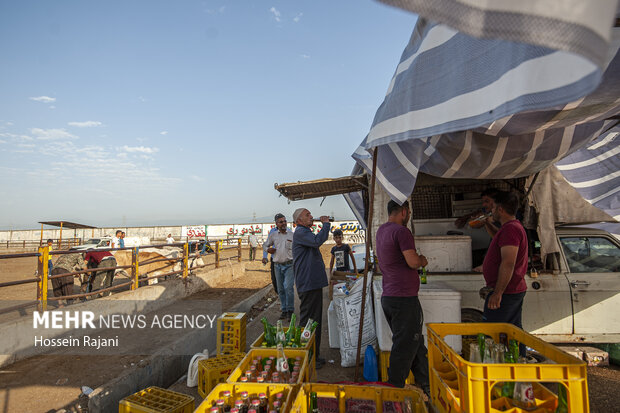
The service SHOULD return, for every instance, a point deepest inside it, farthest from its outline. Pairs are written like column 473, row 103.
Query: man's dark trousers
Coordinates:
column 509, row 311
column 274, row 282
column 405, row 318
column 311, row 306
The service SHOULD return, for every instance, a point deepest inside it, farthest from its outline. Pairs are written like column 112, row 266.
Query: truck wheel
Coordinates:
column 471, row 316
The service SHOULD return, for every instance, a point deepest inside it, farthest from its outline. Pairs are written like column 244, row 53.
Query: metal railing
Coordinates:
column 42, row 275
column 56, row 243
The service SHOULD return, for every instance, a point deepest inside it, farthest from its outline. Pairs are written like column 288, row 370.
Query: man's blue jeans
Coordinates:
column 286, row 281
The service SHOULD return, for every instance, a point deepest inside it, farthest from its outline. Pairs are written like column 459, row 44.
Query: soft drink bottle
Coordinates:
column 307, row 332
column 282, row 364
column 423, row 275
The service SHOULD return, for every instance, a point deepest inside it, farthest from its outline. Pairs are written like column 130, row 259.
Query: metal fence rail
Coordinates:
column 43, row 276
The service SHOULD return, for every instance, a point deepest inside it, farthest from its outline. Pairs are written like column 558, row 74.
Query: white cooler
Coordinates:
column 440, row 304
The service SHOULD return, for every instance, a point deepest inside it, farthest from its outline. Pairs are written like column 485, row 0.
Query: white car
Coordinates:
column 94, row 243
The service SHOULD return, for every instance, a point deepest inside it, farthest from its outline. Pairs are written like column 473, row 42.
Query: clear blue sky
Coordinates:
column 161, row 112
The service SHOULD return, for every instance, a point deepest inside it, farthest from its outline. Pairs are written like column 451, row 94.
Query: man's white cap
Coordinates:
column 297, row 213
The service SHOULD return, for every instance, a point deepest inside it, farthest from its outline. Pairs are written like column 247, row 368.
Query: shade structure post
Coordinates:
column 367, row 264
column 135, row 267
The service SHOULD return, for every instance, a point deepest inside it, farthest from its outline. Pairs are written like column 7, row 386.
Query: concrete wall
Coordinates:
column 351, row 229
column 35, row 234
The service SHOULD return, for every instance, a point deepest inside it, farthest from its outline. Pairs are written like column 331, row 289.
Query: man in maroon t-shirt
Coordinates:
column 398, row 262
column 505, row 264
column 100, row 279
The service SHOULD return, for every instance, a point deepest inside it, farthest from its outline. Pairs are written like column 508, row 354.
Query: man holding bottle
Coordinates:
column 310, row 275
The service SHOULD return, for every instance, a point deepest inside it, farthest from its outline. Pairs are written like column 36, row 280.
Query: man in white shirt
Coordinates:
column 280, row 245
column 169, row 239
column 253, row 242
column 115, row 240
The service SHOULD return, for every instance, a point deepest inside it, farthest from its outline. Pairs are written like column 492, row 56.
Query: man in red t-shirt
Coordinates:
column 399, row 262
column 100, row 279
column 505, row 264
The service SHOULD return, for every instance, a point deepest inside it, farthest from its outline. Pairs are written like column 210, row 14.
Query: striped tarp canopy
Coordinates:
column 594, row 171
column 500, row 105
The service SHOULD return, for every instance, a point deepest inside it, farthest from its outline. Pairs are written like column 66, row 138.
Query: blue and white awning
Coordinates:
column 594, row 171
column 465, row 107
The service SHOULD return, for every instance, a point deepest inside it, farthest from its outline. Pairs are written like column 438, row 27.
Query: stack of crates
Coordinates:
column 231, row 333
column 156, row 400
column 460, row 386
column 351, row 398
column 216, row 370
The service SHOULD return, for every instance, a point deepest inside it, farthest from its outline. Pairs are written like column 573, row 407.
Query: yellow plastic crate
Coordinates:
column 343, row 394
column 304, row 372
column 310, row 347
column 384, row 364
column 216, row 370
column 156, row 400
column 231, row 333
column 253, row 389
column 460, row 386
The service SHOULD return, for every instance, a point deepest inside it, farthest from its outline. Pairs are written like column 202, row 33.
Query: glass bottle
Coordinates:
column 282, row 364
column 314, row 403
column 423, row 276
column 306, row 333
column 269, row 339
column 225, row 395
column 514, row 349
column 280, row 336
column 264, row 403
column 562, row 403
column 290, row 333
column 245, row 398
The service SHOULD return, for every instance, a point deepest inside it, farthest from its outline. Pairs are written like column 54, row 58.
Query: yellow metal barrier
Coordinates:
column 43, row 274
column 135, row 269
column 185, row 256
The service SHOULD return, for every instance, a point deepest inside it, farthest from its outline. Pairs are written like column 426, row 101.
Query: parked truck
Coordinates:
column 577, row 302
column 573, row 280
